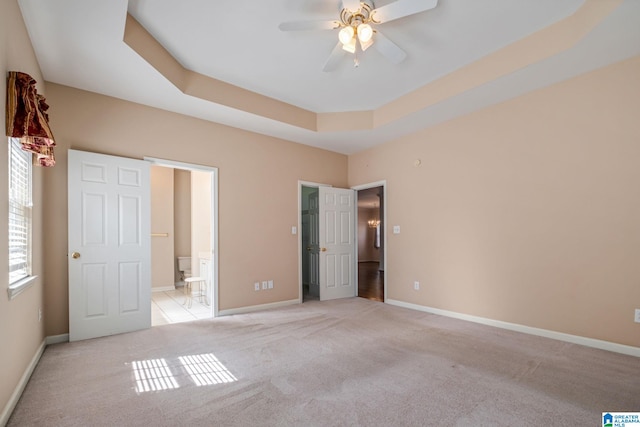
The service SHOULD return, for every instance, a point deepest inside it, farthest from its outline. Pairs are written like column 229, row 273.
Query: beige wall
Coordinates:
column 182, row 215
column 258, row 186
column 525, row 212
column 367, row 235
column 20, row 331
column 162, row 258
column 200, row 218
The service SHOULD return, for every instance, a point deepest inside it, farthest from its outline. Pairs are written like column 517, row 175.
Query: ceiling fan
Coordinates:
column 357, row 24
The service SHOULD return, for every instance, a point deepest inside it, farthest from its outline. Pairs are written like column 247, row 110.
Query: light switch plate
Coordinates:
column 396, row 229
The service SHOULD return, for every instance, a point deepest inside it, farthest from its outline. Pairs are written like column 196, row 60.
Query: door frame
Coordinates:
column 299, row 229
column 367, row 186
column 214, row 216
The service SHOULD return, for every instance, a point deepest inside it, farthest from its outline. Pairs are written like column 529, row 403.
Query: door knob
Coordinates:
column 309, row 248
column 75, row 255
column 323, row 249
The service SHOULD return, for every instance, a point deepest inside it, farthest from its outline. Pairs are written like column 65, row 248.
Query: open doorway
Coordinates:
column 183, row 243
column 310, row 248
column 327, row 242
column 371, row 244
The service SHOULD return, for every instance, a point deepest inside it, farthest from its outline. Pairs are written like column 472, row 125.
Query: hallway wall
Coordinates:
column 367, row 235
column 181, row 215
column 162, row 208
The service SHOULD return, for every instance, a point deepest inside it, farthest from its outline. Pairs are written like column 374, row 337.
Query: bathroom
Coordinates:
column 180, row 244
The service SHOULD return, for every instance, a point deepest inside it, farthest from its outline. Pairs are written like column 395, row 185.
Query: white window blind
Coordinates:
column 20, row 205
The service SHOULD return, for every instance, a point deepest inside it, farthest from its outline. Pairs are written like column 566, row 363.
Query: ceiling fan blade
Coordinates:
column 334, row 59
column 389, row 49
column 401, row 8
column 308, row 25
column 351, row 5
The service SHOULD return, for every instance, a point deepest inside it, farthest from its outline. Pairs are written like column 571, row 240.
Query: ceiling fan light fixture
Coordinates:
column 346, row 35
column 366, row 45
column 357, row 27
column 365, row 33
column 350, row 46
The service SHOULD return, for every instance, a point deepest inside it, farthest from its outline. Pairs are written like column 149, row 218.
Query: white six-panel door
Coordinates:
column 109, row 245
column 337, row 243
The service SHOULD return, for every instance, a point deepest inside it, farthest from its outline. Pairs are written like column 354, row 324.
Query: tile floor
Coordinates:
column 168, row 307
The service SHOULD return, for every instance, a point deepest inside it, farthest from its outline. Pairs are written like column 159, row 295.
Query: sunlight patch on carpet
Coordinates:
column 153, row 375
column 206, row 369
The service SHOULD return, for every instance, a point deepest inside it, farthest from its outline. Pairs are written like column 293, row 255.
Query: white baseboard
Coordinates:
column 17, row 392
column 163, row 288
column 57, row 339
column 252, row 308
column 13, row 400
column 574, row 339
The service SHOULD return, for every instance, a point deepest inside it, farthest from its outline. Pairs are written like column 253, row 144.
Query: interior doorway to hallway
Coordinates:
column 371, row 242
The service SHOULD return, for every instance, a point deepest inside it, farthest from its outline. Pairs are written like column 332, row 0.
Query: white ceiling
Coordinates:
column 79, row 43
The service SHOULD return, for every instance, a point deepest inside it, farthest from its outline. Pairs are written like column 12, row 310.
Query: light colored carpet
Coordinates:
column 348, row 362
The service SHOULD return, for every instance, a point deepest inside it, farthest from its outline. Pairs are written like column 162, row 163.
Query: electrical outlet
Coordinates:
column 257, row 286
column 416, row 285
column 637, row 316
column 264, row 285
column 270, row 284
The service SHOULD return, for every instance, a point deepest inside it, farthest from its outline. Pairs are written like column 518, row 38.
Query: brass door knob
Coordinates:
column 324, row 249
column 75, row 255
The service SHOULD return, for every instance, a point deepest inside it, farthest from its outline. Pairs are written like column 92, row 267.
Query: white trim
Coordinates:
column 178, row 165
column 20, row 286
column 17, row 392
column 163, row 288
column 57, row 339
column 375, row 184
column 560, row 336
column 260, row 307
column 214, row 217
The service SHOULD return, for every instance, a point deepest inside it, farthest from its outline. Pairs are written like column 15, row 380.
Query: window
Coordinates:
column 20, row 205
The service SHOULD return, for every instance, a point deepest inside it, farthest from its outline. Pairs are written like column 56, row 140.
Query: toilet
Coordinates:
column 184, row 267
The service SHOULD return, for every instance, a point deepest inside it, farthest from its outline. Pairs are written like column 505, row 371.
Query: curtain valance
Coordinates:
column 27, row 118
